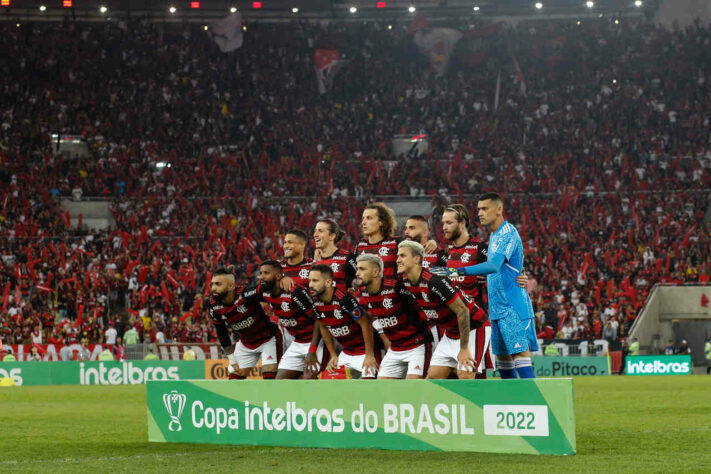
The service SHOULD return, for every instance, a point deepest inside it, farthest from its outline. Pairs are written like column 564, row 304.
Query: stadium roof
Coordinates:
column 185, row 10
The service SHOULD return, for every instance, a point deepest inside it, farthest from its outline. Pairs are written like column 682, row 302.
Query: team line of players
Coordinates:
column 392, row 309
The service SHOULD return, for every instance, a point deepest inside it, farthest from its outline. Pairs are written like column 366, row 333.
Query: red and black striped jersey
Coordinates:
column 471, row 253
column 396, row 310
column 433, row 293
column 386, row 250
column 245, row 316
column 295, row 311
column 299, row 272
column 340, row 317
column 343, row 264
column 438, row 259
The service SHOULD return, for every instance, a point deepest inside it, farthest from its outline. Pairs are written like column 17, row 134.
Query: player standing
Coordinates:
column 258, row 337
column 295, row 264
column 295, row 310
column 389, row 303
column 444, row 306
column 343, row 317
column 417, row 229
column 327, row 233
column 510, row 309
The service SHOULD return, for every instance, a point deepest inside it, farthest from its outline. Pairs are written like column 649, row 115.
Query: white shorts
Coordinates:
column 435, row 336
column 445, row 355
column 293, row 358
column 354, row 362
column 270, row 352
column 398, row 364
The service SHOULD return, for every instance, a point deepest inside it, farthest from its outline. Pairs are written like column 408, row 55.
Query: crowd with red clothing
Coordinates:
column 607, row 188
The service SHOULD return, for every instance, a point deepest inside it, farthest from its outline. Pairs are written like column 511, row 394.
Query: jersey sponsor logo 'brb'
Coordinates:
column 175, row 404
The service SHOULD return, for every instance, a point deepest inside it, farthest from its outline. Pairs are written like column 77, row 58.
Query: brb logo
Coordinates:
column 175, row 403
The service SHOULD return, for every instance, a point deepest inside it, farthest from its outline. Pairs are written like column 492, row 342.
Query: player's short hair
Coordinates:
column 386, row 216
column 273, row 264
column 420, row 218
column 298, row 233
column 495, row 197
column 374, row 259
column 460, row 210
column 226, row 270
column 416, row 248
column 333, row 228
column 325, row 270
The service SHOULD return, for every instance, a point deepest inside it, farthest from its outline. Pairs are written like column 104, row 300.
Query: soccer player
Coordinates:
column 258, row 337
column 513, row 330
column 445, row 307
column 327, row 234
column 417, row 229
column 378, row 226
column 464, row 250
column 389, row 303
column 296, row 313
column 295, row 264
column 342, row 316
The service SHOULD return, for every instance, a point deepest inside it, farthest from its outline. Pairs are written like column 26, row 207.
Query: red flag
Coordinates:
column 610, row 289
column 79, row 220
column 172, row 280
column 704, row 301
column 208, row 280
column 6, row 296
column 43, row 288
column 81, row 312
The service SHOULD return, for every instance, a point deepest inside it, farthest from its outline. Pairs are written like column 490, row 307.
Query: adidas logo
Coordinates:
column 417, row 367
column 517, row 346
column 270, row 358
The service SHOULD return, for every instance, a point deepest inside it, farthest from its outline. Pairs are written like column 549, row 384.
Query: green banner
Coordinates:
column 658, row 365
column 504, row 416
column 570, row 366
column 100, row 372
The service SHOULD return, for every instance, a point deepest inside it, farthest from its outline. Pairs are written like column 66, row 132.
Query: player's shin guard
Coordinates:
column 506, row 369
column 524, row 368
column 268, row 375
column 234, row 376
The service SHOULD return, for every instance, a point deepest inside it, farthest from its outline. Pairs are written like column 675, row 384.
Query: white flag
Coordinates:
column 437, row 44
column 227, row 33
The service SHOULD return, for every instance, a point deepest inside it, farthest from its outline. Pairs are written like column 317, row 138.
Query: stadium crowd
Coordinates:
column 604, row 162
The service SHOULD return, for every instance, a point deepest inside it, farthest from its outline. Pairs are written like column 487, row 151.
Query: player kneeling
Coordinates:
column 341, row 315
column 258, row 336
column 446, row 308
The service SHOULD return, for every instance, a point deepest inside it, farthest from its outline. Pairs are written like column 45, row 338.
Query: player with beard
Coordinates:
column 342, row 316
column 242, row 313
column 305, row 356
column 465, row 250
column 388, row 302
column 445, row 307
column 327, row 233
column 295, row 264
column 378, row 226
column 417, row 229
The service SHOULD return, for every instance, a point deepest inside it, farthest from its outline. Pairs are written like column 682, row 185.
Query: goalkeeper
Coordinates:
column 513, row 330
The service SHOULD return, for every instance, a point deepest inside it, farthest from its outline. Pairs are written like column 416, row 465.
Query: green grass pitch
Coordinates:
column 624, row 424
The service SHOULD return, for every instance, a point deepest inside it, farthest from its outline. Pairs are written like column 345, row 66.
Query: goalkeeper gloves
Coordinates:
column 447, row 272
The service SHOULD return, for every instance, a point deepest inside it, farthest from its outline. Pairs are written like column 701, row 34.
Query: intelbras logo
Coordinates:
column 658, row 366
column 126, row 373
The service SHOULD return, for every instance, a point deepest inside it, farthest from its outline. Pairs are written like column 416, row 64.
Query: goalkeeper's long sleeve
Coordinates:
column 493, row 265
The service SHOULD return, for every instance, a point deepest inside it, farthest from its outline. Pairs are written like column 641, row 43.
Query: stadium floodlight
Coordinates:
column 538, row 5
column 617, row 22
column 295, row 10
column 205, row 27
column 103, row 9
column 233, row 10
column 638, row 3
column 353, row 9
column 411, row 9
column 390, row 27
column 476, row 8
column 42, row 8
column 172, row 9
column 589, row 4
